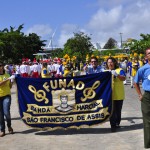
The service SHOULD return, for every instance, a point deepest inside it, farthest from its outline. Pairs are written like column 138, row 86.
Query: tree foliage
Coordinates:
column 139, row 46
column 111, row 52
column 57, row 53
column 78, row 46
column 14, row 45
column 111, row 43
column 96, row 53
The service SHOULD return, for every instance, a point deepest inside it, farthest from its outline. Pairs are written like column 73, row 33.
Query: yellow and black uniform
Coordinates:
column 67, row 73
column 141, row 63
column 118, row 84
column 81, row 65
column 44, row 73
column 135, row 66
column 118, row 96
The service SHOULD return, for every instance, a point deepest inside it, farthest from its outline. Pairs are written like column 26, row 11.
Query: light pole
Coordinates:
column 121, row 39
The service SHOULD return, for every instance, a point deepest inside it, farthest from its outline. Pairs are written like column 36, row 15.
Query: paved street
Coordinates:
column 128, row 137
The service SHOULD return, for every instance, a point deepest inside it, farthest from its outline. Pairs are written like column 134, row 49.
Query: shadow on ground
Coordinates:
column 132, row 126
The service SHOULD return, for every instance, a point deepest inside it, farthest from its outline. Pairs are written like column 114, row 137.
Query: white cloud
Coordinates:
column 129, row 17
column 105, row 20
column 40, row 29
column 105, row 24
column 66, row 33
column 131, row 20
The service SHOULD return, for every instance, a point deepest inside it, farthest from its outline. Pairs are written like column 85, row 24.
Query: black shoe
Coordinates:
column 113, row 128
column 118, row 126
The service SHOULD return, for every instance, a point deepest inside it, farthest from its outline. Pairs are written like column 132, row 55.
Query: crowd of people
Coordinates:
column 133, row 67
column 49, row 68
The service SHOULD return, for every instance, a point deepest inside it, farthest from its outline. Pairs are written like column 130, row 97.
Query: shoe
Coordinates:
column 113, row 129
column 10, row 129
column 2, row 134
column 118, row 126
column 131, row 86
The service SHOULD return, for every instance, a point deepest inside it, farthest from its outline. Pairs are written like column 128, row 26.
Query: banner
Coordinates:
column 51, row 103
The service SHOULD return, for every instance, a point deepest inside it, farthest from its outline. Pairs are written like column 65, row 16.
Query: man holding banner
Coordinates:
column 93, row 68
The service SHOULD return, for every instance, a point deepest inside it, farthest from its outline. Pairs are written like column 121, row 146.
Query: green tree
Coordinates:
column 79, row 46
column 139, row 46
column 57, row 53
column 14, row 45
column 111, row 52
column 111, row 43
column 32, row 44
column 96, row 53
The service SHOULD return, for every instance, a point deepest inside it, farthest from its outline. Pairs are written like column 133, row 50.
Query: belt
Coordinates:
column 147, row 91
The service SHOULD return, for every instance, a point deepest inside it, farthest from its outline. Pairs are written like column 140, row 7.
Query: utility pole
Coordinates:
column 121, row 39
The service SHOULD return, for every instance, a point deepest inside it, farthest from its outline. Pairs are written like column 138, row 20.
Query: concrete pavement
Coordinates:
column 100, row 137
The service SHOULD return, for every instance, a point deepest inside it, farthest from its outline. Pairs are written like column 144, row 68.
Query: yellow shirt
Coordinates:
column 44, row 73
column 5, row 88
column 81, row 65
column 134, row 68
column 66, row 73
column 118, row 87
column 141, row 63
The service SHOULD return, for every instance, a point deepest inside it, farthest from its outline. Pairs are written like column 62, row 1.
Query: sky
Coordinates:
column 99, row 19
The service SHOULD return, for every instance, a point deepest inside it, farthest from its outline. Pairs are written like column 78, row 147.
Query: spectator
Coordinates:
column 44, row 72
column 143, row 74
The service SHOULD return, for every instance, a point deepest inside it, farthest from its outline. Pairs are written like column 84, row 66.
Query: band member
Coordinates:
column 35, row 69
column 118, row 94
column 24, row 70
column 44, row 71
column 134, row 67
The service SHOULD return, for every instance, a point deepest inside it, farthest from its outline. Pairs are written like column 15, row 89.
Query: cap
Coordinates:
column 34, row 61
column 58, row 60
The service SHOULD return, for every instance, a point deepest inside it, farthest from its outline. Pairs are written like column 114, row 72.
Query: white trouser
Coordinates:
column 131, row 78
